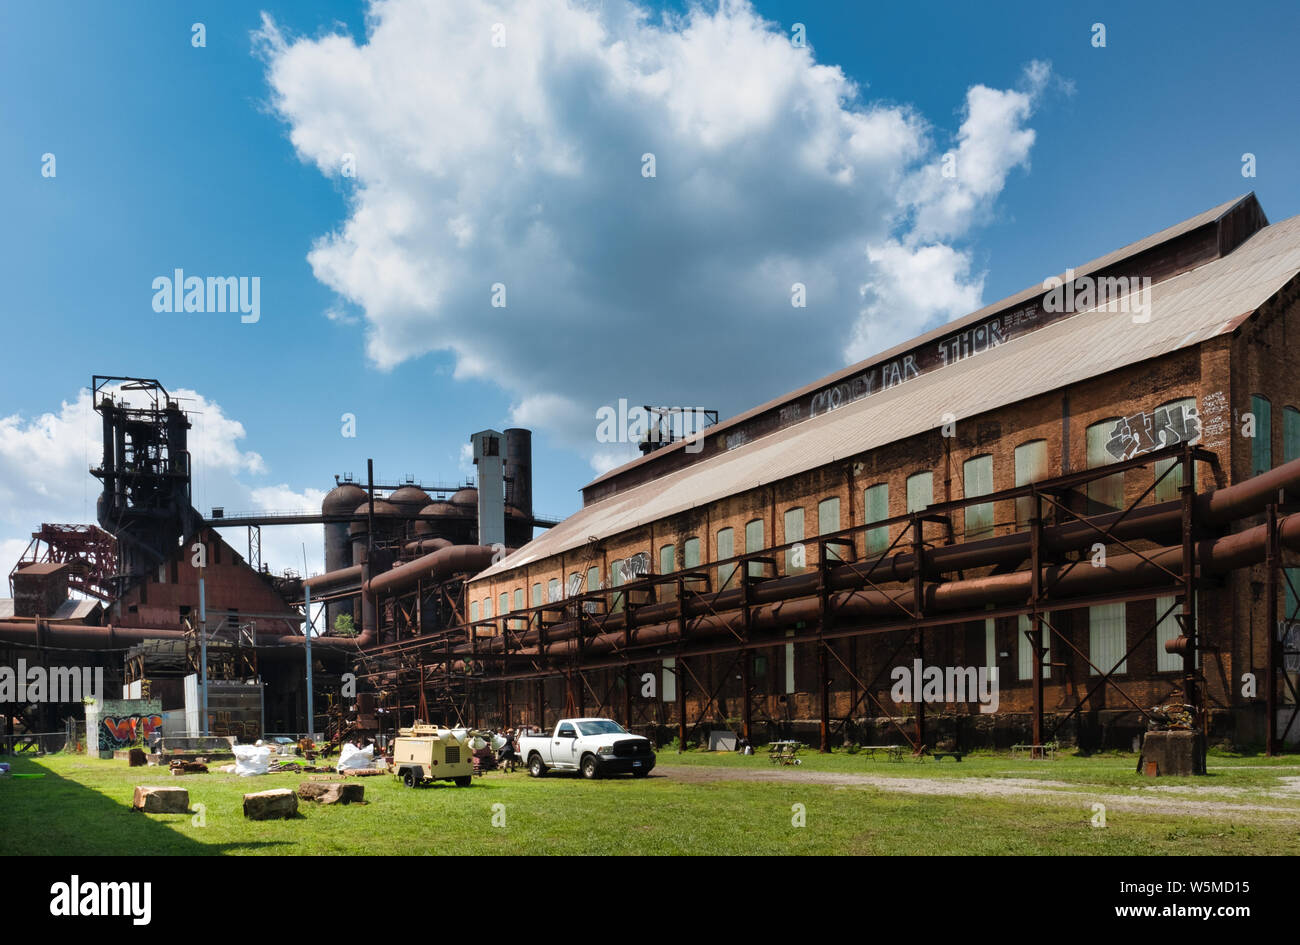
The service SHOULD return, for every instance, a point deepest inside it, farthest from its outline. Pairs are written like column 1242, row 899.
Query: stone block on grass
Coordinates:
column 161, row 800
column 271, row 805
column 332, row 793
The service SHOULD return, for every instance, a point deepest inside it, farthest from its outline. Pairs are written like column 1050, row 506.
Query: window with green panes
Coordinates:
column 503, row 603
column 616, row 580
column 795, row 559
column 691, row 553
column 553, row 590
column 920, row 491
column 1290, row 434
column 1261, row 447
column 473, row 610
column 828, row 521
column 667, row 565
column 1031, row 466
column 519, row 598
column 725, row 548
column 1108, row 491
column 593, row 584
column 875, row 506
column 537, row 594
column 1169, row 487
column 1290, row 451
column 487, row 608
column 754, row 542
column 977, row 480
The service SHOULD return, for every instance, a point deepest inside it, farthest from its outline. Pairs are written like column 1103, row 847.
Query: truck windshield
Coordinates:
column 601, row 727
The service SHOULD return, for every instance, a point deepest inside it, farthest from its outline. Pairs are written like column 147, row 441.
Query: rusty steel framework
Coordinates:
column 89, row 552
column 432, row 646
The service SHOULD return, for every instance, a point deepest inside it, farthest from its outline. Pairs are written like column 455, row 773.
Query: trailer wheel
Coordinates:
column 410, row 778
column 590, row 767
column 535, row 766
column 464, row 781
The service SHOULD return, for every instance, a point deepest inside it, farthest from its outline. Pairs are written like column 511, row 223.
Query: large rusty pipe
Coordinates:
column 1152, row 523
column 80, row 636
column 332, row 580
column 1213, row 556
column 436, row 566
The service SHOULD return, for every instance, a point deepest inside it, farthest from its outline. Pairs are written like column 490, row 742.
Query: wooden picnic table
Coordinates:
column 895, row 752
column 784, row 752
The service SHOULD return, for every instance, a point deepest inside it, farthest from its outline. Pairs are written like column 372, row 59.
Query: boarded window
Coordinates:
column 537, row 594
column 487, row 608
column 1031, row 466
column 875, row 505
column 553, row 591
column 754, row 542
column 473, row 610
column 519, row 598
column 828, row 521
column 669, row 687
column 726, row 547
column 503, row 603
column 1261, row 448
column 667, row 559
column 1107, row 493
column 1107, row 638
column 691, row 553
column 1025, row 648
column 794, row 557
column 920, row 491
column 977, row 479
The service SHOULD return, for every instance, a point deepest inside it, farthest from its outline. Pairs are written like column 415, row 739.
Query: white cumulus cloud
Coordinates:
column 524, row 166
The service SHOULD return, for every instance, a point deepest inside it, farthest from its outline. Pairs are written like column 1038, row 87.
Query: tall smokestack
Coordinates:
column 519, row 470
column 491, row 487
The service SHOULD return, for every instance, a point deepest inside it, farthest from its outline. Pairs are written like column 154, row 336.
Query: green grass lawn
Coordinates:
column 80, row 807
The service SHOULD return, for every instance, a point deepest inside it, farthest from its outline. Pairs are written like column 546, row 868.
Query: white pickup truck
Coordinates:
column 595, row 747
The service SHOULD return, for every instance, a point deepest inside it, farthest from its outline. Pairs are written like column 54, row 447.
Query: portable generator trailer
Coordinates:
column 425, row 753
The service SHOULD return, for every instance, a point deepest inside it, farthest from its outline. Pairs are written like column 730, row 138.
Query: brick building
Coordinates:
column 1186, row 337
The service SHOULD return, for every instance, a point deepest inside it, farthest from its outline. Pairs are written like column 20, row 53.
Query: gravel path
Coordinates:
column 1058, row 792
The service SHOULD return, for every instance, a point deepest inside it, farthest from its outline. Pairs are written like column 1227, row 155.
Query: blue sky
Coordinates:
column 170, row 156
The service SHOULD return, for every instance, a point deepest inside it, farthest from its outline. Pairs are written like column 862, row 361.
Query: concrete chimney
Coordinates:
column 489, row 458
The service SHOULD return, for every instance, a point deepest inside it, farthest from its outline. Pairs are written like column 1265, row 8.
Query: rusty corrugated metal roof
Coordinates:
column 1186, row 309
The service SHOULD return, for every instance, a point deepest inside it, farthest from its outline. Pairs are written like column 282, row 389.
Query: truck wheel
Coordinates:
column 535, row 766
column 409, row 778
column 463, row 781
column 590, row 767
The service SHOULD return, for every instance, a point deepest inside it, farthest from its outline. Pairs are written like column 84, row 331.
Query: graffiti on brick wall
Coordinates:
column 1144, row 432
column 1215, row 420
column 637, row 566
column 128, row 730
